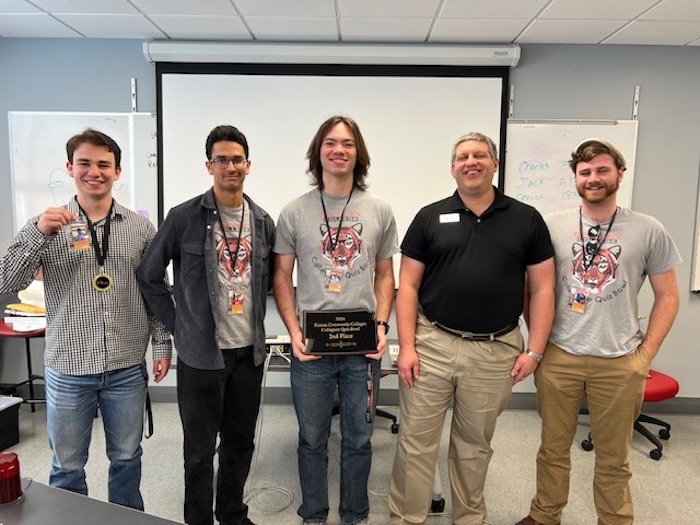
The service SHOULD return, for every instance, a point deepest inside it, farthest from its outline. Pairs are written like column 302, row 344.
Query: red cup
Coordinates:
column 10, row 483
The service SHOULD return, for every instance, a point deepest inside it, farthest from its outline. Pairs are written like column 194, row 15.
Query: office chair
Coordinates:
column 378, row 413
column 658, row 387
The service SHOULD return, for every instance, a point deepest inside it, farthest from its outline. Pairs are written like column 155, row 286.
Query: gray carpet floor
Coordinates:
column 664, row 491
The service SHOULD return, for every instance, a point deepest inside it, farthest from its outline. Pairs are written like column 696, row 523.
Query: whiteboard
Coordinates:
column 538, row 153
column 39, row 178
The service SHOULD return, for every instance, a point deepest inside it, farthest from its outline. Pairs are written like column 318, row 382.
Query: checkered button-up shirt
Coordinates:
column 88, row 331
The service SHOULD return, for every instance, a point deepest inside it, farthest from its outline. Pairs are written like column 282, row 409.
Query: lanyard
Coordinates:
column 588, row 257
column 223, row 231
column 334, row 241
column 100, row 252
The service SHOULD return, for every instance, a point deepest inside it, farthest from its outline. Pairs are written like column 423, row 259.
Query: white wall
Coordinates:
column 550, row 82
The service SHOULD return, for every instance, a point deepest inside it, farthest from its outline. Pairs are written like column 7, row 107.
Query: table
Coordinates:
column 6, row 331
column 44, row 505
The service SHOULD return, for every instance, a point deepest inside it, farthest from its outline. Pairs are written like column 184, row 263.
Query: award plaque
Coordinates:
column 340, row 332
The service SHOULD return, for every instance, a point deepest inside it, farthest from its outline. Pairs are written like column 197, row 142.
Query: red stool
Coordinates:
column 658, row 387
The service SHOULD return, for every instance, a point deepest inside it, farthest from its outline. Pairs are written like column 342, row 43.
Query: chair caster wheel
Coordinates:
column 656, row 454
column 587, row 445
column 437, row 505
column 394, row 428
column 664, row 433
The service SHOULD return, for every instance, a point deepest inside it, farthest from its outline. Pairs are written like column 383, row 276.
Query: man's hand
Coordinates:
column 53, row 219
column 298, row 347
column 523, row 367
column 160, row 369
column 381, row 344
column 408, row 365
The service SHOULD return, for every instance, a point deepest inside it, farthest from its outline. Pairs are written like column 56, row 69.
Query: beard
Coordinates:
column 595, row 196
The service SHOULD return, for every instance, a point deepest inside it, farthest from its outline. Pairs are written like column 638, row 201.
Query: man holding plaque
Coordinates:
column 465, row 261
column 342, row 238
column 98, row 324
column 220, row 246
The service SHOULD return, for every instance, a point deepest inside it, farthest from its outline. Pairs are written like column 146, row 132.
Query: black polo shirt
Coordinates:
column 475, row 266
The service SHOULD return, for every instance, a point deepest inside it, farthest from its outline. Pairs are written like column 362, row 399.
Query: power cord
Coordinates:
column 251, row 495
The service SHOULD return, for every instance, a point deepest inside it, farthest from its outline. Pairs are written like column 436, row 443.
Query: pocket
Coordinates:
column 642, row 361
column 193, row 248
column 192, row 262
column 645, row 355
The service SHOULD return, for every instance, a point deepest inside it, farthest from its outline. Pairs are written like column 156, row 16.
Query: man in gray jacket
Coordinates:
column 219, row 243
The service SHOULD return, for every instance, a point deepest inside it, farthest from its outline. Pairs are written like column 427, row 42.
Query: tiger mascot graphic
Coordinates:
column 348, row 248
column 237, row 269
column 601, row 272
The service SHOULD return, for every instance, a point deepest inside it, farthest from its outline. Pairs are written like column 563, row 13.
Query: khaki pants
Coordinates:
column 614, row 389
column 476, row 376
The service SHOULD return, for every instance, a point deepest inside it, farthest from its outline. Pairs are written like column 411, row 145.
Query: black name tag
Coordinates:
column 340, row 332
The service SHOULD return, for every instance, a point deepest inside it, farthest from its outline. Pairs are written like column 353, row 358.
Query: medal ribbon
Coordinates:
column 588, row 261
column 100, row 252
column 223, row 231
column 334, row 241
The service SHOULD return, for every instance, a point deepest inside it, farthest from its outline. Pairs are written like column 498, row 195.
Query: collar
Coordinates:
column 500, row 202
column 117, row 209
column 209, row 202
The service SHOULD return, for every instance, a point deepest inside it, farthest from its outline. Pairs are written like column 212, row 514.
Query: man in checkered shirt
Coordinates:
column 98, row 325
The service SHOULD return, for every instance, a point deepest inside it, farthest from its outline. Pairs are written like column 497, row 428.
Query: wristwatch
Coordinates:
column 536, row 357
column 385, row 325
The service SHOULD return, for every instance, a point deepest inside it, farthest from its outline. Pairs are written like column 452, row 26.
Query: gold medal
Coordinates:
column 102, row 282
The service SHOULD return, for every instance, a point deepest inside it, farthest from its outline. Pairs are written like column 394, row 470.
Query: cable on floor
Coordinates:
column 253, row 495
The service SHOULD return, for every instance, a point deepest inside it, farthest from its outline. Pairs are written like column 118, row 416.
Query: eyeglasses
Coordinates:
column 591, row 247
column 223, row 162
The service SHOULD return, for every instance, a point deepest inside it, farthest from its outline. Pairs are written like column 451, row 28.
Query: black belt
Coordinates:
column 474, row 336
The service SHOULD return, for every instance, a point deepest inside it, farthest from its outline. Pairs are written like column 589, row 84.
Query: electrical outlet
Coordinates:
column 394, row 354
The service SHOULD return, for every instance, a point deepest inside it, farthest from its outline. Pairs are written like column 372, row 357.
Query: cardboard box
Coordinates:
column 9, row 421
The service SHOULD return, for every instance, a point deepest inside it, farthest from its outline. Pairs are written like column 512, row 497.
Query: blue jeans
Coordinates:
column 314, row 385
column 71, row 405
column 222, row 403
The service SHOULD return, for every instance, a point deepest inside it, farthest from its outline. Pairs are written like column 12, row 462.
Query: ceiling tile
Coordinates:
column 657, row 33
column 82, row 6
column 483, row 31
column 569, row 31
column 202, row 27
column 396, row 9
column 685, row 10
column 34, row 26
column 295, row 29
column 385, row 30
column 277, row 8
column 185, row 7
column 598, row 9
column 111, row 26
column 493, row 9
column 17, row 7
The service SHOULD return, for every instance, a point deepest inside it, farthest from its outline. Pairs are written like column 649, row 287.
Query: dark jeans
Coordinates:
column 223, row 402
column 314, row 384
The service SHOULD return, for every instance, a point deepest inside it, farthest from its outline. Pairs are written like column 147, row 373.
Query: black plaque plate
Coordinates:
column 340, row 332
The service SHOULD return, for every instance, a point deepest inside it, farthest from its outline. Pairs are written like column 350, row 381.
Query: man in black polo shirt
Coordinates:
column 465, row 262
